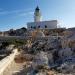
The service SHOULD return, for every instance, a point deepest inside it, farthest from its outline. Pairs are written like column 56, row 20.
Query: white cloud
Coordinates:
column 26, row 13
column 3, row 12
column 21, row 12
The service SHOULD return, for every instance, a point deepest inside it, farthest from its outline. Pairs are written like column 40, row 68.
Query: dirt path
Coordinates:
column 15, row 67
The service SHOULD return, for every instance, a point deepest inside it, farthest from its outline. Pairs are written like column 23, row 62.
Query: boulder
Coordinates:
column 40, row 59
column 66, row 52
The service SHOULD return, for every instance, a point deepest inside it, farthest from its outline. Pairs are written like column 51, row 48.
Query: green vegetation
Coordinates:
column 17, row 42
column 4, row 44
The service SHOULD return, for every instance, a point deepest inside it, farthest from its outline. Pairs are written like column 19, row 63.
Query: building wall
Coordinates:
column 6, row 63
column 42, row 25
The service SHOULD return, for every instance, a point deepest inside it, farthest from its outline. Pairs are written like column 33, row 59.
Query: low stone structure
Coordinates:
column 6, row 63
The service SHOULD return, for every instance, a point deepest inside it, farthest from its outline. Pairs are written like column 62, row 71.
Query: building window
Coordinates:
column 34, row 27
column 38, row 26
column 45, row 26
column 31, row 26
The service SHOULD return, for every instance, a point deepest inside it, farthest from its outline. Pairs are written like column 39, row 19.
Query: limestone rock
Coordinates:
column 66, row 52
column 40, row 59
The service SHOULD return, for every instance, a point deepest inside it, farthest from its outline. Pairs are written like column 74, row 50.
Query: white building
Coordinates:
column 38, row 24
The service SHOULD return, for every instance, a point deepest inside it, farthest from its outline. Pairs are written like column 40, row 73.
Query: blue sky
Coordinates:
column 16, row 13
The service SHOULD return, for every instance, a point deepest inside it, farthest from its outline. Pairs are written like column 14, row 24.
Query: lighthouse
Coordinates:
column 39, row 24
column 37, row 15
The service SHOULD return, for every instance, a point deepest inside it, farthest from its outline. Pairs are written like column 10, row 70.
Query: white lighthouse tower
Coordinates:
column 37, row 15
column 38, row 24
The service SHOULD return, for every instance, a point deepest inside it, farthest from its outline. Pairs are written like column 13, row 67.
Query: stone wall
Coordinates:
column 7, row 63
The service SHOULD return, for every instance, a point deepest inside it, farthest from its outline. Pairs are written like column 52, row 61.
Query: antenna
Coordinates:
column 37, row 2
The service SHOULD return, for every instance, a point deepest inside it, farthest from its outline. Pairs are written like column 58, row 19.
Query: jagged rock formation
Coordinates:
column 18, row 32
column 51, row 53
